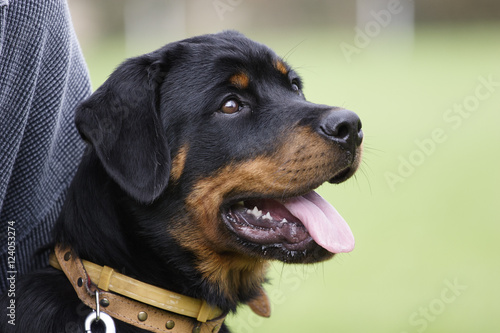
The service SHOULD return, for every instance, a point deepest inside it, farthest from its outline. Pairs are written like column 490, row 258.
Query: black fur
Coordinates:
column 123, row 205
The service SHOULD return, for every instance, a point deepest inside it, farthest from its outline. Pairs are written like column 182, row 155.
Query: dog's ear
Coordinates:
column 122, row 122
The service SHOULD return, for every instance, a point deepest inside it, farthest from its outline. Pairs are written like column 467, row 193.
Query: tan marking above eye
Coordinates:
column 240, row 80
column 280, row 66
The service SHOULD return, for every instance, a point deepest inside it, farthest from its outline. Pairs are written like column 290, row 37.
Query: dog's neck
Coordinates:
column 102, row 225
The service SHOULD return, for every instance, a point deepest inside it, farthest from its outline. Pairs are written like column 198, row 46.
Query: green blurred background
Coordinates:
column 425, row 80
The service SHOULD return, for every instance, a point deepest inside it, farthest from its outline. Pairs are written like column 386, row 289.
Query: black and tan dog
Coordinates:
column 202, row 162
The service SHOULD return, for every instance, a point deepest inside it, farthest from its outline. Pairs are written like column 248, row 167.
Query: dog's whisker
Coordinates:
column 293, row 49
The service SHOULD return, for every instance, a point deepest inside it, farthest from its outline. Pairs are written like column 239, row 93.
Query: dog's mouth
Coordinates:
column 294, row 224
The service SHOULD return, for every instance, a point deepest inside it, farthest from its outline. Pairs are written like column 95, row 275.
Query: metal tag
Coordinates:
column 106, row 320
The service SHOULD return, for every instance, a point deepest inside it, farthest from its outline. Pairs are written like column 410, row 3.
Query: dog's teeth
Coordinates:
column 267, row 216
column 256, row 212
column 284, row 221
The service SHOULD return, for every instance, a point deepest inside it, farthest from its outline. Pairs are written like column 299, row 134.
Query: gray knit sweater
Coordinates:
column 42, row 78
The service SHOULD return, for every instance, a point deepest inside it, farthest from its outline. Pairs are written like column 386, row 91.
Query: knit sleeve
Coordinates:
column 42, row 78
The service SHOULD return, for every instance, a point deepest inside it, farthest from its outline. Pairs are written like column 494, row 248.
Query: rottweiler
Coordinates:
column 201, row 165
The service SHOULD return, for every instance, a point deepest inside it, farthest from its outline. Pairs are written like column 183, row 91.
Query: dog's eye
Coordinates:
column 231, row 106
column 296, row 86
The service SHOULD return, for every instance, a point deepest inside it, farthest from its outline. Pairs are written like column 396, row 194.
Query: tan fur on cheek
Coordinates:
column 178, row 163
column 303, row 160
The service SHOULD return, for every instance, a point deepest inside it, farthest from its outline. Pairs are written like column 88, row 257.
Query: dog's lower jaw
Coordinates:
column 230, row 277
column 233, row 278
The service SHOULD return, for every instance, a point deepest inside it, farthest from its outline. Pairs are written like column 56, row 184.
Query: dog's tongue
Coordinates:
column 322, row 221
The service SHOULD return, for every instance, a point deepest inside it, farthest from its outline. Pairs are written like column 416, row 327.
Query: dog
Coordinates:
column 201, row 165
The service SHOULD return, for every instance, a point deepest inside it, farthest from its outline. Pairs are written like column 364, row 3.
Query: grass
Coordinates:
column 435, row 228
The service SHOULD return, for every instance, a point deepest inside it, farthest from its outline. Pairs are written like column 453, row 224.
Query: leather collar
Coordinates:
column 134, row 302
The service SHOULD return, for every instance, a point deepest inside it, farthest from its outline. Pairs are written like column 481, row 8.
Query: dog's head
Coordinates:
column 214, row 135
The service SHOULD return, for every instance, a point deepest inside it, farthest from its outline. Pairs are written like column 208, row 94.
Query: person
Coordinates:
column 43, row 77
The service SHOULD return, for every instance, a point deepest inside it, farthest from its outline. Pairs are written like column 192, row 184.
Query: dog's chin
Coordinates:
column 267, row 229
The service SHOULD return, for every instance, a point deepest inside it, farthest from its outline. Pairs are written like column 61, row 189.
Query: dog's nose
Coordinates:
column 342, row 126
